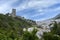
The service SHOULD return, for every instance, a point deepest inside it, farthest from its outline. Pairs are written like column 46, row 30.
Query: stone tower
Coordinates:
column 13, row 14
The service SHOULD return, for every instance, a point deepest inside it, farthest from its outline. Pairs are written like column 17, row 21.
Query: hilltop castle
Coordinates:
column 13, row 13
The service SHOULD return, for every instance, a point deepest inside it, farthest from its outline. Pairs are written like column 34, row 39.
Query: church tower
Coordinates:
column 13, row 14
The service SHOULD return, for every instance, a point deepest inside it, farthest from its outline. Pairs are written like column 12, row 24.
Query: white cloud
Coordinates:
column 38, row 14
column 28, row 4
column 41, row 19
column 36, row 4
column 39, row 5
column 6, row 6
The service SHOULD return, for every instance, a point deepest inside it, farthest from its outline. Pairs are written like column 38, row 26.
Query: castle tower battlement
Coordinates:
column 13, row 14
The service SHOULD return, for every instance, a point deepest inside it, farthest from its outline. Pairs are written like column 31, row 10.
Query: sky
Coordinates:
column 37, row 10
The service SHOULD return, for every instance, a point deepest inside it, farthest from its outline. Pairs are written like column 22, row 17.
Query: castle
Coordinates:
column 13, row 13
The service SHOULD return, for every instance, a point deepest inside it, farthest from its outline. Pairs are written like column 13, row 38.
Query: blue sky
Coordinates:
column 32, row 9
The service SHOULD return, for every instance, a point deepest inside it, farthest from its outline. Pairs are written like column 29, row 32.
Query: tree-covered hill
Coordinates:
column 11, row 27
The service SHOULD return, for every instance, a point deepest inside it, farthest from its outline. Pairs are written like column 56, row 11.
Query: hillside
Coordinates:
column 11, row 27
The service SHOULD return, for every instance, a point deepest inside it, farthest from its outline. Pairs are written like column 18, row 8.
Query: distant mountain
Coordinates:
column 49, row 21
column 57, row 16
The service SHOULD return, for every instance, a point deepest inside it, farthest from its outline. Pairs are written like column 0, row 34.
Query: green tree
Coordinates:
column 54, row 34
column 30, row 35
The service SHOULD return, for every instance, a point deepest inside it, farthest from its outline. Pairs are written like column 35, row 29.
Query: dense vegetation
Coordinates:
column 29, row 35
column 11, row 27
column 54, row 34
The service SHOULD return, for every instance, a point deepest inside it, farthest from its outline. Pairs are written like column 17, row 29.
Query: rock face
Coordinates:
column 49, row 21
column 46, row 23
column 45, row 26
column 39, row 33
